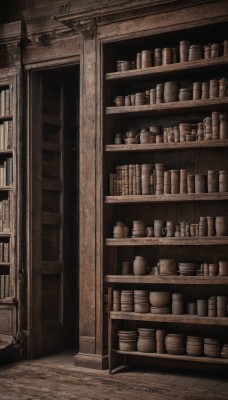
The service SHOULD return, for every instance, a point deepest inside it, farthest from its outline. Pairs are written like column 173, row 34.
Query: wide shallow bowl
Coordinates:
column 146, row 332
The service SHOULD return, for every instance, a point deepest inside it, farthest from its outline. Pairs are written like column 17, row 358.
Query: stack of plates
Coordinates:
column 127, row 300
column 187, row 269
column 141, row 300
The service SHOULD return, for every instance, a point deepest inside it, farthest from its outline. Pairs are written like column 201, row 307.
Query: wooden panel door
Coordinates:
column 47, row 214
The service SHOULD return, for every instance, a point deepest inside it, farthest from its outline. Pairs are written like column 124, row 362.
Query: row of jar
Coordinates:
column 150, row 340
column 171, row 55
column 149, row 179
column 169, row 92
column 213, row 127
column 207, row 226
column 164, row 302
column 169, row 267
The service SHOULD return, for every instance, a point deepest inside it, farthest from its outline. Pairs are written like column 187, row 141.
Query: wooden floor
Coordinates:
column 56, row 377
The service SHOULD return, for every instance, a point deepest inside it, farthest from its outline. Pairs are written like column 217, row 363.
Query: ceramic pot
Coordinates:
column 140, row 266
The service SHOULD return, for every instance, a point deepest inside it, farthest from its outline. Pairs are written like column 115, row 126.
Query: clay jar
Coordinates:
column 145, row 137
column 174, row 343
column 171, row 92
column 221, row 226
column 177, row 304
column 212, row 347
column 119, row 101
column 158, row 227
column 140, row 266
column 167, row 266
column 223, row 268
column 185, row 94
column 194, row 346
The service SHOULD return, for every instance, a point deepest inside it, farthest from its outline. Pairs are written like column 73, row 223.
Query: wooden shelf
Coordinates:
column 166, row 146
column 5, row 234
column 6, row 152
column 173, row 241
column 171, row 318
column 8, row 300
column 167, row 280
column 165, row 198
column 4, row 264
column 171, row 69
column 202, row 359
column 6, row 117
column 170, row 108
column 6, row 188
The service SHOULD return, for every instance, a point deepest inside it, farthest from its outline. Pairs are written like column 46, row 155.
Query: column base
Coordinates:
column 94, row 361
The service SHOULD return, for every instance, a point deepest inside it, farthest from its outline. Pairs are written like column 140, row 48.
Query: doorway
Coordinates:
column 53, row 217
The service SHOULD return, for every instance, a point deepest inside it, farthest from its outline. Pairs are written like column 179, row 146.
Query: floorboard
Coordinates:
column 56, row 377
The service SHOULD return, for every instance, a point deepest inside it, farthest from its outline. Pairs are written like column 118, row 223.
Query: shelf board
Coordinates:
column 169, row 108
column 4, row 264
column 6, row 188
column 6, row 117
column 166, row 198
column 202, row 359
column 164, row 241
column 6, row 151
column 167, row 280
column 8, row 300
column 171, row 69
column 166, row 146
column 5, row 234
column 180, row 319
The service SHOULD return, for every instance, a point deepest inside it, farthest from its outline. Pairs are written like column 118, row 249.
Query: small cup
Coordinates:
column 150, row 231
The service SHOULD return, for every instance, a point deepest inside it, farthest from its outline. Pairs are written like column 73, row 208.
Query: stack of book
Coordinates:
column 4, row 252
column 4, row 286
column 5, row 102
column 6, row 135
column 5, row 213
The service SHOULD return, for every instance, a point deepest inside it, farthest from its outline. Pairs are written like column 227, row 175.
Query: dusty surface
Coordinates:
column 56, row 377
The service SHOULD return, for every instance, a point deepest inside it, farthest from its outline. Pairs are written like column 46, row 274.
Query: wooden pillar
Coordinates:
column 90, row 331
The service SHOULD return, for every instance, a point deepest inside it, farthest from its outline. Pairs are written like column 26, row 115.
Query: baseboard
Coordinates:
column 94, row 361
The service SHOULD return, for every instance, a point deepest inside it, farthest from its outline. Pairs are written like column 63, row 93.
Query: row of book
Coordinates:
column 6, row 135
column 126, row 180
column 5, row 102
column 6, row 172
column 4, row 252
column 4, row 286
column 6, row 213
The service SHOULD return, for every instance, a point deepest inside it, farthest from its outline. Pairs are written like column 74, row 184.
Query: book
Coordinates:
column 6, row 286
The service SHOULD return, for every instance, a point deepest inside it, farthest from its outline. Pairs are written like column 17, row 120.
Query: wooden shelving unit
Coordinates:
column 10, row 216
column 195, row 156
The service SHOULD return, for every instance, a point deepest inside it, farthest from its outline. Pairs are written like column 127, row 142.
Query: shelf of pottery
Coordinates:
column 165, row 205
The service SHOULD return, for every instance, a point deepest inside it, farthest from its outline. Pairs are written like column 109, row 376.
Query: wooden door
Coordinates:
column 47, row 214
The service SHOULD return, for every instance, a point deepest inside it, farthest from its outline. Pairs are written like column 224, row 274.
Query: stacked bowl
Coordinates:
column 127, row 340
column 127, row 300
column 141, row 301
column 146, row 340
column 187, row 269
column 160, row 302
column 175, row 343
